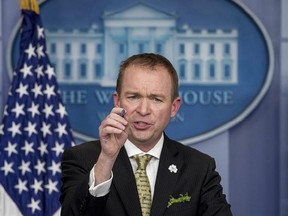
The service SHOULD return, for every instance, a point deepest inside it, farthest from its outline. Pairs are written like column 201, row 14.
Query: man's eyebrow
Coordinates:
column 131, row 92
column 157, row 95
column 152, row 95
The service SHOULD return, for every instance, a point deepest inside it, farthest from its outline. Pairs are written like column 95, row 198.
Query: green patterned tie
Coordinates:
column 142, row 182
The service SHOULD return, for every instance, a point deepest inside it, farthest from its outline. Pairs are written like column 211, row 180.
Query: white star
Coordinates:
column 48, row 110
column 2, row 129
column 34, row 205
column 45, row 129
column 37, row 186
column 18, row 109
column 22, row 90
column 40, row 167
column 24, row 167
column 59, row 148
column 28, row 148
column 34, row 109
column 49, row 91
column 30, row 51
column 7, row 168
column 5, row 110
column 26, row 70
column 39, row 71
column 43, row 148
column 40, row 32
column 39, row 51
column 11, row 148
column 15, row 129
column 31, row 128
column 37, row 90
column 51, row 186
column 21, row 186
column 61, row 129
column 55, row 167
column 10, row 93
column 50, row 71
column 61, row 110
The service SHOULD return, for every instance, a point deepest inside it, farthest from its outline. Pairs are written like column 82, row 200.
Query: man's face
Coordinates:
column 146, row 96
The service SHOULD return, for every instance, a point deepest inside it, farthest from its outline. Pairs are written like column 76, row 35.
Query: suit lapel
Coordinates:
column 166, row 179
column 124, row 182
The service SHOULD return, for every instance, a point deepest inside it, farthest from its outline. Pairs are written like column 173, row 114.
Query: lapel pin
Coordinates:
column 172, row 168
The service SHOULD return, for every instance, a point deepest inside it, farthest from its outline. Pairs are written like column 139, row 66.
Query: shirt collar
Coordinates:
column 132, row 150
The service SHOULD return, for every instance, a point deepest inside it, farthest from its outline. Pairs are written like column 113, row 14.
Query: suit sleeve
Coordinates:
column 75, row 197
column 213, row 201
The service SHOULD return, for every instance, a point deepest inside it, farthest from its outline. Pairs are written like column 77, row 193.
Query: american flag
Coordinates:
column 35, row 128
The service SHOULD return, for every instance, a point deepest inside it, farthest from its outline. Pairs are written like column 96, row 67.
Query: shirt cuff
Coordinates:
column 100, row 189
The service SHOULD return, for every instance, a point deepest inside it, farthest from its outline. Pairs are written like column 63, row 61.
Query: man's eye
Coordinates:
column 132, row 96
column 157, row 99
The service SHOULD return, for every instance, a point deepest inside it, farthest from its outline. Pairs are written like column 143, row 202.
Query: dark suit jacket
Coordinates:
column 195, row 176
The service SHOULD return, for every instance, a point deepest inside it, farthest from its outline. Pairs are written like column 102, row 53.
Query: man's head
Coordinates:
column 149, row 60
column 147, row 88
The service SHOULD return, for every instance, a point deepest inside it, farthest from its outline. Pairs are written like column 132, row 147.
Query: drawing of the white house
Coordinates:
column 200, row 56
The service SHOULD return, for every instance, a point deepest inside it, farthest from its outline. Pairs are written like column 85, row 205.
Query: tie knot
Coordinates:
column 142, row 161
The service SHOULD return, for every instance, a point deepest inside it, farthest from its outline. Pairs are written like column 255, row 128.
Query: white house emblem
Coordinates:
column 208, row 43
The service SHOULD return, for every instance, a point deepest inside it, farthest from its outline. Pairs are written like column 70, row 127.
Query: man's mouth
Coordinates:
column 140, row 125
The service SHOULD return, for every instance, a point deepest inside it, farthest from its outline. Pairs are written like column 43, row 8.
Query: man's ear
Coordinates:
column 175, row 106
column 116, row 99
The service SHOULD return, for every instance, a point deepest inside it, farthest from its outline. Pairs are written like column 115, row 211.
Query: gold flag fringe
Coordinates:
column 29, row 5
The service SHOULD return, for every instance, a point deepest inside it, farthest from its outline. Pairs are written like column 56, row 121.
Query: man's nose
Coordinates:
column 143, row 106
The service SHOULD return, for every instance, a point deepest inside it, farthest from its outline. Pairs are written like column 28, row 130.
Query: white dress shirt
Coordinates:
column 151, row 169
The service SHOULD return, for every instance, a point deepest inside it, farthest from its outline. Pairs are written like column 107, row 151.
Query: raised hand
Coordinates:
column 112, row 134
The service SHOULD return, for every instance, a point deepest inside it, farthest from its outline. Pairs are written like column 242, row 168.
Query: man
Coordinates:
column 98, row 176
